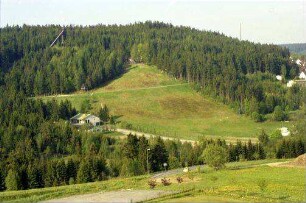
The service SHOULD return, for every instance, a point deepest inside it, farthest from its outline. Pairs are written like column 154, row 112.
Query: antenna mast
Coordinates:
column 240, row 31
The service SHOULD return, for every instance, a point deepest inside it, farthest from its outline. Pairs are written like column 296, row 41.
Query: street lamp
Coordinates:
column 148, row 160
column 165, row 165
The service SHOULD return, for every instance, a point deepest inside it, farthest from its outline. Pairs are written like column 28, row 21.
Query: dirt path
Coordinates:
column 111, row 91
column 193, row 142
column 148, row 135
column 277, row 164
column 114, row 196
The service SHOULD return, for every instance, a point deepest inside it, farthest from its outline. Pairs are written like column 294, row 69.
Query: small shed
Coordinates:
column 83, row 87
column 279, row 77
column 302, row 76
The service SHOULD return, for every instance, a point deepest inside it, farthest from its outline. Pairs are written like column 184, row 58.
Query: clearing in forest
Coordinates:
column 148, row 100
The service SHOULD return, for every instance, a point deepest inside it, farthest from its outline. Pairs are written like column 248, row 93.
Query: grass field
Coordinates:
column 239, row 182
column 152, row 102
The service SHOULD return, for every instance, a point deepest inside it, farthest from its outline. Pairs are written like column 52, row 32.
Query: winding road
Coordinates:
column 148, row 135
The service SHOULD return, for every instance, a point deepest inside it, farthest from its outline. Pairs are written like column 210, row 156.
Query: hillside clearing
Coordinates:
column 149, row 101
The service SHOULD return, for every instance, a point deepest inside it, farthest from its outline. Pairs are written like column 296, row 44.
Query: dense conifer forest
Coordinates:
column 38, row 147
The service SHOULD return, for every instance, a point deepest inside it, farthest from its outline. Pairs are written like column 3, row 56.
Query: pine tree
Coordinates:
column 61, row 172
column 2, row 181
column 158, row 155
column 263, row 137
column 84, row 172
column 71, row 169
column 131, row 147
column 50, row 177
column 104, row 114
column 12, row 181
column 34, row 177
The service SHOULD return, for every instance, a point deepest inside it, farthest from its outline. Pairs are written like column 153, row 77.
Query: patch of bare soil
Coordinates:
column 115, row 196
column 299, row 162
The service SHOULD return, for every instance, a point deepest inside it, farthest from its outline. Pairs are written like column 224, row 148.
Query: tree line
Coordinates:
column 39, row 148
column 238, row 73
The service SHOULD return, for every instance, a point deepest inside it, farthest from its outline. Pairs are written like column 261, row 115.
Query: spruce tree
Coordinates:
column 159, row 155
column 34, row 176
column 104, row 114
column 12, row 181
column 61, row 172
column 84, row 172
column 71, row 169
column 2, row 181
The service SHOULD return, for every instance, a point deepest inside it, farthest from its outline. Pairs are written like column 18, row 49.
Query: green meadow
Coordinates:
column 148, row 100
column 243, row 181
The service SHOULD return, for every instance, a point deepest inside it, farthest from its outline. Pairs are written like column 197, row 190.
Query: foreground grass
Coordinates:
column 239, row 182
column 154, row 103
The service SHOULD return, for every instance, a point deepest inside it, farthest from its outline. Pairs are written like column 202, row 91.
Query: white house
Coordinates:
column 81, row 119
column 290, row 83
column 299, row 62
column 279, row 77
column 284, row 131
column 302, row 76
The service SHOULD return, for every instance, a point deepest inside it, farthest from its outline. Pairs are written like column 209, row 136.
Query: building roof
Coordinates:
column 302, row 75
column 80, row 116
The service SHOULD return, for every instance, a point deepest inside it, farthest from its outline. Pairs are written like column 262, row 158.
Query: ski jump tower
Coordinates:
column 60, row 35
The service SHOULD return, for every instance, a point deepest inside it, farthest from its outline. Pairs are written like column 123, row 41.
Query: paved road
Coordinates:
column 114, row 196
column 148, row 135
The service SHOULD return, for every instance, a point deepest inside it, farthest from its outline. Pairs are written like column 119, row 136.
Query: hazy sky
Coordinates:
column 262, row 21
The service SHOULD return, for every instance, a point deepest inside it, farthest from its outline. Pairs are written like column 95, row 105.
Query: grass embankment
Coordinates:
column 243, row 181
column 155, row 103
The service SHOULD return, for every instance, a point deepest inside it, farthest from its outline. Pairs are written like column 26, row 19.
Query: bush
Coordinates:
column 262, row 184
column 190, row 175
column 152, row 183
column 257, row 117
column 165, row 182
column 263, row 137
column 213, row 178
column 279, row 114
column 276, row 135
column 71, row 181
column 215, row 156
column 179, row 179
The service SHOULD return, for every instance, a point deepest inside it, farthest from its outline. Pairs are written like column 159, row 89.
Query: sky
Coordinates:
column 274, row 21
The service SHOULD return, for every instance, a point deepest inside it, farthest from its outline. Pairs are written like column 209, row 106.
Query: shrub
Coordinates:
column 213, row 178
column 215, row 156
column 279, row 114
column 179, row 179
column 190, row 176
column 262, row 184
column 276, row 135
column 199, row 169
column 257, row 117
column 165, row 181
column 71, row 181
column 152, row 183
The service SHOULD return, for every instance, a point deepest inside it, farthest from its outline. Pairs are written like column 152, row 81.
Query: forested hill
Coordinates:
column 239, row 72
column 299, row 48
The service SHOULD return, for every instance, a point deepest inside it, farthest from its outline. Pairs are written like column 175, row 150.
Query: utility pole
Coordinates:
column 240, row 31
column 148, row 160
